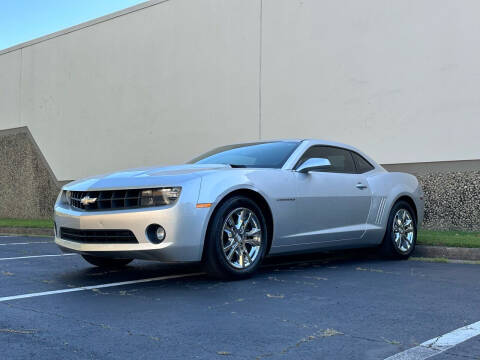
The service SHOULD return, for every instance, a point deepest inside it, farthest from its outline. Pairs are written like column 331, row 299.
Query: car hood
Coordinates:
column 145, row 177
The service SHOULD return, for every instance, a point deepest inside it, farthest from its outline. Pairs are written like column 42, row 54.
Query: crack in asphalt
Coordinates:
column 315, row 336
column 319, row 335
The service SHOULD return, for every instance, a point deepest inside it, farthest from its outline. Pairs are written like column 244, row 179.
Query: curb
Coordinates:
column 454, row 253
column 26, row 231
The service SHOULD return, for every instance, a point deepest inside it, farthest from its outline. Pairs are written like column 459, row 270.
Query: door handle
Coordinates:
column 361, row 186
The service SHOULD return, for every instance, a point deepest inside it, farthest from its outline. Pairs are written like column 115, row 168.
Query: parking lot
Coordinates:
column 336, row 306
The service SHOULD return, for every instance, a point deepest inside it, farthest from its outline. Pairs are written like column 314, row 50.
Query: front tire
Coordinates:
column 236, row 241
column 401, row 234
column 106, row 263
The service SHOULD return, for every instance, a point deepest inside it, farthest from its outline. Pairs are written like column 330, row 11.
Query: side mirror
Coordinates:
column 314, row 164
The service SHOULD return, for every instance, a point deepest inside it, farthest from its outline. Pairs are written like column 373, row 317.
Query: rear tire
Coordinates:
column 106, row 263
column 237, row 239
column 401, row 234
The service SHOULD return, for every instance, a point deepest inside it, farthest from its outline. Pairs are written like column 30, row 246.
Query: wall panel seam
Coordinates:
column 260, row 72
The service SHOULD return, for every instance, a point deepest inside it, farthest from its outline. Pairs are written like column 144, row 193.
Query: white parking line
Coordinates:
column 439, row 344
column 100, row 286
column 33, row 256
column 26, row 243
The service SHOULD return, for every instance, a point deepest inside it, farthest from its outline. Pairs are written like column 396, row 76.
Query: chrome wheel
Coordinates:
column 241, row 238
column 403, row 230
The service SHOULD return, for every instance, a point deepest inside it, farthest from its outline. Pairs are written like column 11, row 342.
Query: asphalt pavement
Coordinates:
column 345, row 305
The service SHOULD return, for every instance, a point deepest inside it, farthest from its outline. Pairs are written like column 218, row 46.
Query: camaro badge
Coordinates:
column 87, row 200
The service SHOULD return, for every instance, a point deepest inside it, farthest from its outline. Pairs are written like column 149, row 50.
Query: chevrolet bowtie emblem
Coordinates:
column 87, row 200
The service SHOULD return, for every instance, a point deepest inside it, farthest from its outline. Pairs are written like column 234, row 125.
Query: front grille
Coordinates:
column 98, row 236
column 108, row 199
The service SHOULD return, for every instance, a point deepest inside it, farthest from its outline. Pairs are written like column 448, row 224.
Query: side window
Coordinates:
column 363, row 165
column 341, row 159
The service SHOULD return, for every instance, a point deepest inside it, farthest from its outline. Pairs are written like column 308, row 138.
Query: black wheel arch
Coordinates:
column 259, row 200
column 409, row 201
column 386, row 247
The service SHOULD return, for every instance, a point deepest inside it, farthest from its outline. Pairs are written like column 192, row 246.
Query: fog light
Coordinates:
column 160, row 233
column 156, row 233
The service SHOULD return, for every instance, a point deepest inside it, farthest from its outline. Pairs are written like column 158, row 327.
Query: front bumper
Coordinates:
column 185, row 226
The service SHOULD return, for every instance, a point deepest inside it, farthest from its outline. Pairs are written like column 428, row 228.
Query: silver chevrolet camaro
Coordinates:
column 234, row 205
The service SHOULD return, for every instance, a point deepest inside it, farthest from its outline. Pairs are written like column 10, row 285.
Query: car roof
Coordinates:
column 330, row 143
column 309, row 142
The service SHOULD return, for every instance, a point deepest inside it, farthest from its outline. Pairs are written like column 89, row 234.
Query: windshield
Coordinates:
column 256, row 155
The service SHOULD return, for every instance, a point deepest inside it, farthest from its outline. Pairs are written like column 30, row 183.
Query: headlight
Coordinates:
column 161, row 196
column 68, row 197
column 63, row 197
column 59, row 197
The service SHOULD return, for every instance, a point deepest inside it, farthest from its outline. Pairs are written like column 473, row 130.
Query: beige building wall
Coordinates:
column 154, row 86
column 164, row 80
column 399, row 79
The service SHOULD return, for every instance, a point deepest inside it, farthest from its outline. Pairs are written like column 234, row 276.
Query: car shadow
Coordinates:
column 88, row 275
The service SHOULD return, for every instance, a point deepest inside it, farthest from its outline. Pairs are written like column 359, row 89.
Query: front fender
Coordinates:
column 214, row 189
column 272, row 184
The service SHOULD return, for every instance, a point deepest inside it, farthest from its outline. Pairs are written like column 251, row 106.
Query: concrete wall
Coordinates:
column 160, row 82
column 157, row 85
column 451, row 200
column 452, row 193
column 399, row 79
column 28, row 186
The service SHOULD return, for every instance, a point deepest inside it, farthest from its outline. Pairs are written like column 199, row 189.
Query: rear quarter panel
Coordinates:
column 387, row 188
